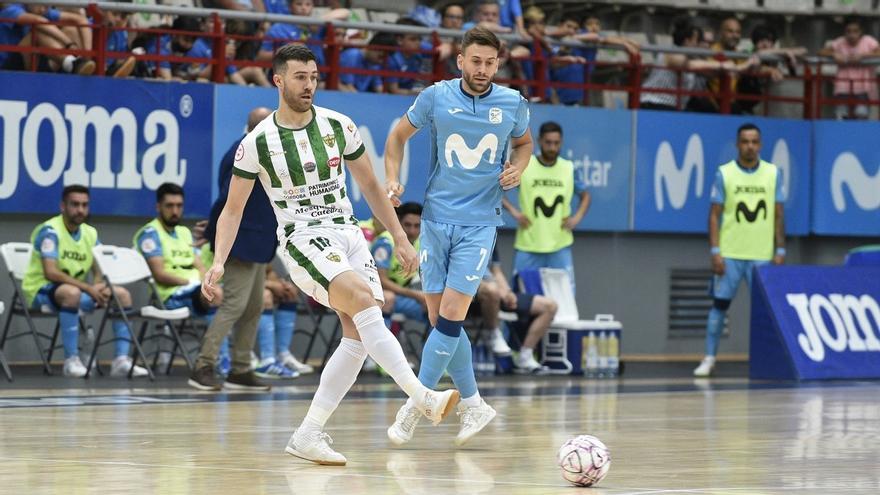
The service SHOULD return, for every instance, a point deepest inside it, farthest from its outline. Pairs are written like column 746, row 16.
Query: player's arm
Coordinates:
column 571, row 222
column 157, row 267
column 397, row 138
column 227, row 228
column 55, row 275
column 362, row 172
column 521, row 151
column 521, row 219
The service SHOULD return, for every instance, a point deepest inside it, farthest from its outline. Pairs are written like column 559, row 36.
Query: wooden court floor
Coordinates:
column 729, row 436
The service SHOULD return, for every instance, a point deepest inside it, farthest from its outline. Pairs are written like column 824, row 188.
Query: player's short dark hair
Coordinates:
column 168, row 188
column 748, row 126
column 409, row 208
column 478, row 35
column 73, row 188
column 549, row 126
column 291, row 51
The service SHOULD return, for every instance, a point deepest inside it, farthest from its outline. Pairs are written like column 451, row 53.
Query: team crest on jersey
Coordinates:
column 495, row 115
column 334, row 258
column 329, row 140
column 309, row 166
column 239, row 153
column 333, row 162
column 304, row 144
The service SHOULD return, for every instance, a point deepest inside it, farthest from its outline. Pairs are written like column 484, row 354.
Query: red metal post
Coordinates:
column 437, row 69
column 99, row 38
column 726, row 92
column 540, row 64
column 218, row 71
column 808, row 92
column 331, row 56
column 635, row 80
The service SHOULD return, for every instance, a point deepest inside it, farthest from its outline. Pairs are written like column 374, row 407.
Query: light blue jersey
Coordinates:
column 470, row 141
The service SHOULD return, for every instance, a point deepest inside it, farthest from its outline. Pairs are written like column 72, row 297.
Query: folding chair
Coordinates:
column 122, row 266
column 3, row 362
column 17, row 256
column 317, row 317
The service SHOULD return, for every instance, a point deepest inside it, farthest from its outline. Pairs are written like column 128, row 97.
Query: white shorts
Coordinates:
column 314, row 256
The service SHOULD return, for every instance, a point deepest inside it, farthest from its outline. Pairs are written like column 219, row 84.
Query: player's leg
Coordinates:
column 65, row 298
column 309, row 440
column 723, row 289
column 122, row 363
column 539, row 312
column 489, row 297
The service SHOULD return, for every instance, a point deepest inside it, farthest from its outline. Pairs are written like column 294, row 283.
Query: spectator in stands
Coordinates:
column 452, row 18
column 535, row 26
column 425, row 13
column 488, row 14
column 673, row 72
column 168, row 249
column 117, row 41
column 202, row 48
column 745, row 185
column 56, row 278
column 592, row 32
column 179, row 44
column 766, row 68
column 400, row 297
column 511, row 17
column 534, row 314
column 21, row 31
column 284, row 295
column 854, row 81
column 408, row 59
column 545, row 220
column 242, row 5
column 311, row 35
column 575, row 70
column 247, row 49
column 369, row 58
column 729, row 36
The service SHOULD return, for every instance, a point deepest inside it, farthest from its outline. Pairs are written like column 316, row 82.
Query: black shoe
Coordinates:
column 245, row 381
column 204, row 379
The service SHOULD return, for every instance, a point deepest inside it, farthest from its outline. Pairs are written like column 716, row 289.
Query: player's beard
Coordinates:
column 478, row 87
column 171, row 221
column 295, row 102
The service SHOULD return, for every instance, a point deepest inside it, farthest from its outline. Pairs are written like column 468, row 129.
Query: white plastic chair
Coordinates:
column 3, row 362
column 17, row 257
column 123, row 266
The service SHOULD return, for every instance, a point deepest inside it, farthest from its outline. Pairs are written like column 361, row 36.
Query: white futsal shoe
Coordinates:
column 315, row 447
column 401, row 431
column 706, row 367
column 436, row 405
column 473, row 420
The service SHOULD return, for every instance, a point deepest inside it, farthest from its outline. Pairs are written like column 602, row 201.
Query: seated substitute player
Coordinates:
column 168, row 248
column 534, row 314
column 399, row 297
column 57, row 277
column 297, row 153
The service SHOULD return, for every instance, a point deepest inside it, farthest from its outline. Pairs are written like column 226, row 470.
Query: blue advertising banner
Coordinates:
column 678, row 154
column 846, row 178
column 599, row 142
column 122, row 139
column 811, row 322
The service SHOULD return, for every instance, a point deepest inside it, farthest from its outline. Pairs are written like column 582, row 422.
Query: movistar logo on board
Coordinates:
column 673, row 179
column 864, row 188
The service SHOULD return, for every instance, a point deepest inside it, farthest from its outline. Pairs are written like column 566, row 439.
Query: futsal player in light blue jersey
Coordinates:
column 480, row 144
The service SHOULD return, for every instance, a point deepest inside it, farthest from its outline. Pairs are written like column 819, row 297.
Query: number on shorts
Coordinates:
column 320, row 242
column 483, row 253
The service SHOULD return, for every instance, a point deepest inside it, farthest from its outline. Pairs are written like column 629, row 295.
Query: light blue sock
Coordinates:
column 438, row 351
column 68, row 319
column 285, row 324
column 461, row 367
column 224, row 349
column 714, row 327
column 123, row 344
column 266, row 335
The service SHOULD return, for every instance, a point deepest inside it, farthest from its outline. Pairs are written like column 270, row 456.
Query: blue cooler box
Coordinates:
column 583, row 347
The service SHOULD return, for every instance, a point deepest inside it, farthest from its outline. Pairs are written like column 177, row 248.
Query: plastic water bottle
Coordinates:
column 603, row 354
column 613, row 354
column 592, row 367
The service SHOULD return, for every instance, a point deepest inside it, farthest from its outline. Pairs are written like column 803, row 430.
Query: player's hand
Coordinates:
column 394, row 189
column 569, row 223
column 406, row 254
column 212, row 277
column 288, row 291
column 522, row 220
column 509, row 301
column 510, row 177
column 778, row 260
column 717, row 265
column 100, row 293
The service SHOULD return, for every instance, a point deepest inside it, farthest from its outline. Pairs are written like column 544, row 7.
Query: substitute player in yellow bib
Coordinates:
column 300, row 154
column 746, row 229
column 545, row 220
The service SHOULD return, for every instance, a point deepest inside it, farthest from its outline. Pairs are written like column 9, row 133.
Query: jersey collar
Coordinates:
column 275, row 120
column 482, row 96
column 746, row 169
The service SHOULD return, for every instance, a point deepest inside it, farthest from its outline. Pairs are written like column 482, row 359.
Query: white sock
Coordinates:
column 338, row 376
column 385, row 349
column 67, row 63
column 525, row 354
column 472, row 401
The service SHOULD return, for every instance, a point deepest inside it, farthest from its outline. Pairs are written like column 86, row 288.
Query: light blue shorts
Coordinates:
column 46, row 298
column 187, row 296
column 454, row 256
column 725, row 286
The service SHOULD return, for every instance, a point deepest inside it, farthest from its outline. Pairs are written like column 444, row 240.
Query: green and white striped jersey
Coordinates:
column 302, row 170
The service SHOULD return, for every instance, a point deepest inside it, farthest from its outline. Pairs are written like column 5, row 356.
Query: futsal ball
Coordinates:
column 584, row 460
